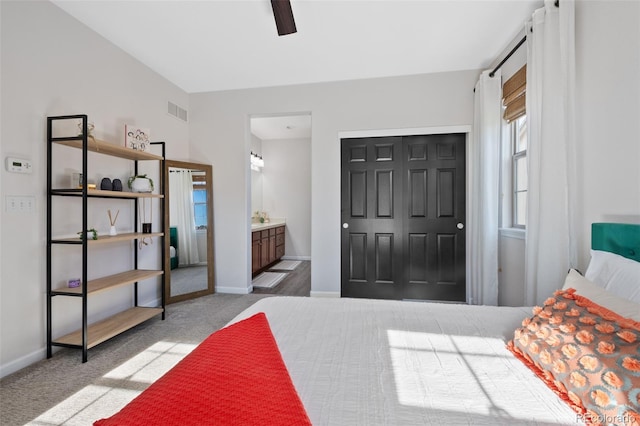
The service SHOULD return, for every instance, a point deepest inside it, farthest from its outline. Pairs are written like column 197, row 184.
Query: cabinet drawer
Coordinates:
column 279, row 239
column 255, row 236
column 280, row 230
column 279, row 252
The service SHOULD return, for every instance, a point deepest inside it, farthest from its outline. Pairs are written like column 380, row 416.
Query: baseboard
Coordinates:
column 234, row 290
column 296, row 258
column 331, row 294
column 155, row 303
column 22, row 362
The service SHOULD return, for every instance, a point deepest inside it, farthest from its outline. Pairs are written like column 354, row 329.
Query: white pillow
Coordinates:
column 602, row 297
column 617, row 274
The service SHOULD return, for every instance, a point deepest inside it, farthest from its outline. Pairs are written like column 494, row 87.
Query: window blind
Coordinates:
column 514, row 95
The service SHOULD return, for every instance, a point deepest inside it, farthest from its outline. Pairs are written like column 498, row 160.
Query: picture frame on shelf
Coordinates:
column 136, row 137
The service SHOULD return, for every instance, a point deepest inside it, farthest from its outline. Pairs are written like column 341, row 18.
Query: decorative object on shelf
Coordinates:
column 145, row 222
column 91, row 233
column 140, row 183
column 90, row 127
column 112, row 221
column 136, row 137
column 261, row 217
column 105, row 184
column 73, row 283
column 116, row 185
column 76, row 180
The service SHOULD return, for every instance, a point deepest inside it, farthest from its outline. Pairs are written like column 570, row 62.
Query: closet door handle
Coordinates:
column 460, row 225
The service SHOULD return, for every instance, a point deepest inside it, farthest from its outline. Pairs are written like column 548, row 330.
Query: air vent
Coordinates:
column 176, row 111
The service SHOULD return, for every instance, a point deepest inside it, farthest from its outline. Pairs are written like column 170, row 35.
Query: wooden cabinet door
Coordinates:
column 255, row 251
column 264, row 249
column 272, row 245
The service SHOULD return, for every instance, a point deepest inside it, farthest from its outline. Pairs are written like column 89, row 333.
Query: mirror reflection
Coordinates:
column 190, row 257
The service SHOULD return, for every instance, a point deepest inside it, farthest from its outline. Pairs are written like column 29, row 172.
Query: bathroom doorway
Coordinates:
column 281, row 203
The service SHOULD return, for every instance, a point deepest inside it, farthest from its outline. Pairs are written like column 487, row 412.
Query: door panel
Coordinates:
column 446, row 192
column 418, row 188
column 402, row 198
column 358, row 257
column 384, row 258
column 384, row 193
column 358, row 191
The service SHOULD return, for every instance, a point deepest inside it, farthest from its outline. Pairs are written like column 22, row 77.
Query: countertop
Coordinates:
column 273, row 223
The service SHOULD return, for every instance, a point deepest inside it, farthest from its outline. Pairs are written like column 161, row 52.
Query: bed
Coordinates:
column 372, row 362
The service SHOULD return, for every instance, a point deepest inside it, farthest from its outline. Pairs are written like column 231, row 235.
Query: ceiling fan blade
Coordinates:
column 284, row 17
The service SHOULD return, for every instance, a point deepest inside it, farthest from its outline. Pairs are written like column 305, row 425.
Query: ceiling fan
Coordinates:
column 284, row 17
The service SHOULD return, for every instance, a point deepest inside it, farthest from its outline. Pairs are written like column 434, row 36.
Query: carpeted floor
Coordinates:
column 63, row 390
column 188, row 279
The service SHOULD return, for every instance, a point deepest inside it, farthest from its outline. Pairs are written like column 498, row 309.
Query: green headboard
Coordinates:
column 619, row 238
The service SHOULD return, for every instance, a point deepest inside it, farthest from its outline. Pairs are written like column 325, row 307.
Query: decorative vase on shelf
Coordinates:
column 112, row 230
column 140, row 183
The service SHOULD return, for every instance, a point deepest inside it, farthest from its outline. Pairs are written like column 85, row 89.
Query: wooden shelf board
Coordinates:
column 112, row 281
column 102, row 147
column 106, row 329
column 77, row 192
column 107, row 239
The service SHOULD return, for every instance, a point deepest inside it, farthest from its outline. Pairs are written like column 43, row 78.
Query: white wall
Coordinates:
column 608, row 111
column 52, row 64
column 219, row 130
column 287, row 191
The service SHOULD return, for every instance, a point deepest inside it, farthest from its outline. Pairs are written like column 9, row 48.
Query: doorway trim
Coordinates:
column 436, row 130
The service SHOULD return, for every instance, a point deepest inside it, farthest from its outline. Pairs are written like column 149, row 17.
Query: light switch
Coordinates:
column 20, row 204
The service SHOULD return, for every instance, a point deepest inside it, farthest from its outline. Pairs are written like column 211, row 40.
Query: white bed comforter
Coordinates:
column 372, row 362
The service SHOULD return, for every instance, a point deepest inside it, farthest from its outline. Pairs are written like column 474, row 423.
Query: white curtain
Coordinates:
column 485, row 190
column 182, row 215
column 551, row 216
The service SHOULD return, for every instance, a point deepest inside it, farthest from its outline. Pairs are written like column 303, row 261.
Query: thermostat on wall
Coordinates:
column 18, row 165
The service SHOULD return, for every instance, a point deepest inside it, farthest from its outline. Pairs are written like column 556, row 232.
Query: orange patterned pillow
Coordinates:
column 587, row 354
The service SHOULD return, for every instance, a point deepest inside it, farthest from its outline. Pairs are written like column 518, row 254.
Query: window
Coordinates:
column 520, row 182
column 515, row 173
column 200, row 200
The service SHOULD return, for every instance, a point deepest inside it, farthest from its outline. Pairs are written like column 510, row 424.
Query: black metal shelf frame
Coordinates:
column 83, row 193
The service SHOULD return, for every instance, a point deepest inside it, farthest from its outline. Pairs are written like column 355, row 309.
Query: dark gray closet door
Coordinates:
column 402, row 200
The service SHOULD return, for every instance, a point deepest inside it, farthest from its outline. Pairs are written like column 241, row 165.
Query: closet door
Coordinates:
column 433, row 223
column 403, row 212
column 371, row 218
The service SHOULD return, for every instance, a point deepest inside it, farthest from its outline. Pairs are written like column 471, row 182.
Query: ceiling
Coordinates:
column 213, row 45
column 282, row 127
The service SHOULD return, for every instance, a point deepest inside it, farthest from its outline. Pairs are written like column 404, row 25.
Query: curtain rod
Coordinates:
column 520, row 43
column 506, row 58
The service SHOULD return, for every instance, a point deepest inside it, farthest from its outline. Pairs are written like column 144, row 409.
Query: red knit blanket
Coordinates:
column 234, row 377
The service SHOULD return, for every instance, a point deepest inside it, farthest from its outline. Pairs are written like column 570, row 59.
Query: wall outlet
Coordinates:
column 20, row 203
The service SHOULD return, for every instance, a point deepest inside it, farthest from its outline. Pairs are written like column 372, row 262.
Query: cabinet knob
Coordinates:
column 460, row 225
column 345, row 225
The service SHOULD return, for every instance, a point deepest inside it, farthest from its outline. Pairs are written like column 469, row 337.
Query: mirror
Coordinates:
column 188, row 230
